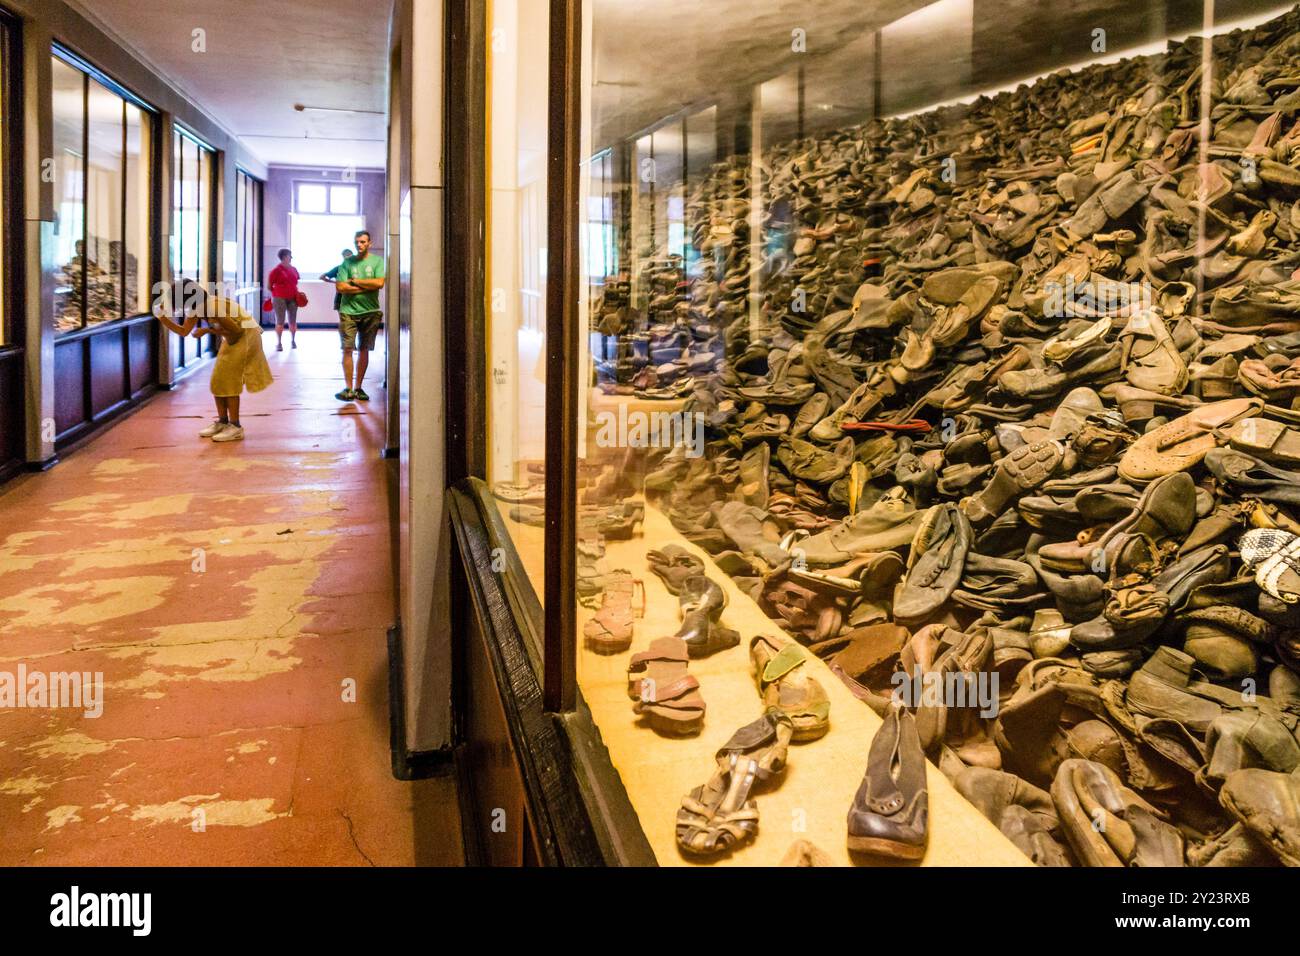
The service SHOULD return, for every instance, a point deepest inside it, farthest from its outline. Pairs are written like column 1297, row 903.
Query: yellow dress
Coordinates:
column 242, row 364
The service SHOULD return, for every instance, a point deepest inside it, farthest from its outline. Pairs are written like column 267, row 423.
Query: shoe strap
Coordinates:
column 786, row 660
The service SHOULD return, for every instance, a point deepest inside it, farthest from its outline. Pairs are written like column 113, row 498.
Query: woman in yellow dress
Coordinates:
column 240, row 364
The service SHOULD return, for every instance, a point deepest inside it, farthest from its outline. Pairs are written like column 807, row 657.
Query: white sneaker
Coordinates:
column 213, row 429
column 229, row 433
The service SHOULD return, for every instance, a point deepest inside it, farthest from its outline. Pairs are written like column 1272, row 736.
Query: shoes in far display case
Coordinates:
column 1000, row 399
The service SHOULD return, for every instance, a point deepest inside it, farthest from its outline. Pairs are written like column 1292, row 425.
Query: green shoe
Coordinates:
column 346, row 395
column 360, row 395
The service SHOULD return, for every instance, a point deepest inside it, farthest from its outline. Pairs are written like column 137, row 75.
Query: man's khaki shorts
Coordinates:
column 364, row 327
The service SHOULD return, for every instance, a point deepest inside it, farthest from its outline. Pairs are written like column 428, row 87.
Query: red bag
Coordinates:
column 267, row 306
column 302, row 300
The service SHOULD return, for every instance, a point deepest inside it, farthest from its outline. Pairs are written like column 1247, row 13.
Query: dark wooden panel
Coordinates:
column 499, row 801
column 107, row 370
column 13, row 425
column 143, row 344
column 508, row 741
column 69, row 385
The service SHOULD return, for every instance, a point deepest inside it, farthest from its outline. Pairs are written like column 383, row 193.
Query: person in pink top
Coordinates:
column 284, row 297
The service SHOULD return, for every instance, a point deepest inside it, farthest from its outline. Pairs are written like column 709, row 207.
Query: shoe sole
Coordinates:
column 878, row 847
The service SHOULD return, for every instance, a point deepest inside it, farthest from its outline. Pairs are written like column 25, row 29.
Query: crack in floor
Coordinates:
column 353, row 837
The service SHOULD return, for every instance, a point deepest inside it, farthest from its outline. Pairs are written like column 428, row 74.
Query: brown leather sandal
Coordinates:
column 666, row 695
column 719, row 816
column 623, row 600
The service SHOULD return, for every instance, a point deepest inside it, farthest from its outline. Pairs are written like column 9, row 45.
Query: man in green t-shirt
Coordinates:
column 359, row 280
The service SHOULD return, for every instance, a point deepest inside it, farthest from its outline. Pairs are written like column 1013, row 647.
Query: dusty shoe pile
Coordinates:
column 1016, row 417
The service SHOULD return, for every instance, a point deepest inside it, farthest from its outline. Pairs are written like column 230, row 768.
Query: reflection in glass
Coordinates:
column 139, row 163
column 203, row 160
column 178, row 234
column 69, row 194
column 516, row 269
column 105, row 166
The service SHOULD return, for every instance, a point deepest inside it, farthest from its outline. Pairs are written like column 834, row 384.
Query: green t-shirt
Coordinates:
column 359, row 303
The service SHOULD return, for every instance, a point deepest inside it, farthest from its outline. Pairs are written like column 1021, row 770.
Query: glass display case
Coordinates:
column 102, row 180
column 901, row 400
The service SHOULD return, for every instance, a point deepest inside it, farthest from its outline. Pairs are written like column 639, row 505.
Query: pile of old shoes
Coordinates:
column 1029, row 431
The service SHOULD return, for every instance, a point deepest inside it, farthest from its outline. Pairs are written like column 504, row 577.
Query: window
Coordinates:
column 345, row 200
column 325, row 219
column 316, row 241
column 191, row 240
column 102, row 169
column 335, row 199
column 312, row 198
column 248, row 253
column 191, row 208
column 516, row 259
column 69, row 193
column 601, row 254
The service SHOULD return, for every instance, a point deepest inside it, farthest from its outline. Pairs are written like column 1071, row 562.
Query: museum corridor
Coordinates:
column 235, row 597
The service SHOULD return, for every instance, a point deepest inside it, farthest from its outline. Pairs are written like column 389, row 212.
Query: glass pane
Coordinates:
column 190, row 209
column 345, row 200
column 874, row 321
column 69, row 194
column 203, row 222
column 312, row 197
column 139, row 228
column 316, row 241
column 241, row 225
column 516, row 270
column 178, row 203
column 104, row 207
column 253, row 238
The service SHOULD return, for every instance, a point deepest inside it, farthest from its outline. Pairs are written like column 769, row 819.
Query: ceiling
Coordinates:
column 659, row 58
column 651, row 58
column 262, row 58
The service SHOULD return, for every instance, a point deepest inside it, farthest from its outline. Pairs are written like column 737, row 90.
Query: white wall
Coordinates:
column 425, row 545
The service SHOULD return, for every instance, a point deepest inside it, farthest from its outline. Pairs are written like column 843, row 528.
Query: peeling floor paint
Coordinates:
column 60, row 817
column 160, row 561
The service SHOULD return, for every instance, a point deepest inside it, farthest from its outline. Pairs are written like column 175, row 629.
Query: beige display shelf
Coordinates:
column 812, row 800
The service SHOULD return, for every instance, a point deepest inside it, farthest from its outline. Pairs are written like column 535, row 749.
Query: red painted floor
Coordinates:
column 235, row 599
